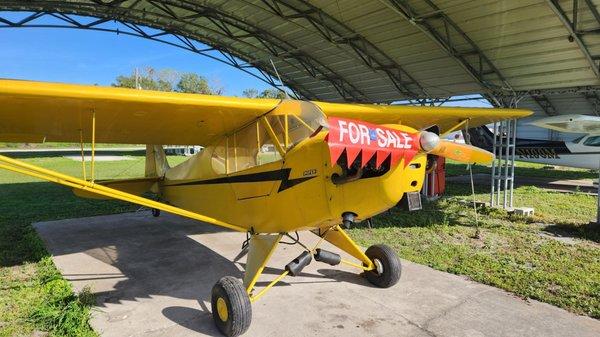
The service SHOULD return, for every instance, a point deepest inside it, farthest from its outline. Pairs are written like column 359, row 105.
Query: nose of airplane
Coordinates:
column 428, row 141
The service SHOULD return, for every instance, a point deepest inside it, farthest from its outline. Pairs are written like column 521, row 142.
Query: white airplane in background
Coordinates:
column 581, row 152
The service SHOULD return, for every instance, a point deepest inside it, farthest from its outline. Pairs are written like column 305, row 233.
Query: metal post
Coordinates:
column 505, row 155
column 93, row 164
column 512, row 163
column 82, row 154
column 492, row 199
column 503, row 166
column 500, row 156
column 598, row 199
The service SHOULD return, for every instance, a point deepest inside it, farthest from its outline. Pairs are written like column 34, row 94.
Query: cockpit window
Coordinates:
column 266, row 139
column 577, row 140
column 592, row 141
column 294, row 121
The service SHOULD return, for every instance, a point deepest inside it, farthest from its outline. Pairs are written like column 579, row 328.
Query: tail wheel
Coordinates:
column 155, row 212
column 387, row 268
column 231, row 308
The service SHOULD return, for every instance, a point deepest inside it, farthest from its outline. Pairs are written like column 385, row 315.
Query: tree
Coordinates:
column 267, row 93
column 272, row 93
column 193, row 84
column 148, row 79
column 250, row 93
column 167, row 80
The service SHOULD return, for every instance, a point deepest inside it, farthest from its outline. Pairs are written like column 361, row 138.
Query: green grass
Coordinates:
column 524, row 169
column 506, row 252
column 509, row 252
column 33, row 295
column 51, row 145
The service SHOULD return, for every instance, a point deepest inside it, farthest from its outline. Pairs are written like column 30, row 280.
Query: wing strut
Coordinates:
column 66, row 180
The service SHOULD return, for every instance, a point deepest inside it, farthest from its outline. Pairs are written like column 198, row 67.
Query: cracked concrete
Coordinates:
column 153, row 277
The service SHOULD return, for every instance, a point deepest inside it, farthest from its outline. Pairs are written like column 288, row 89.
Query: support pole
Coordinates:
column 503, row 166
column 512, row 161
column 93, row 146
column 265, row 289
column 82, row 154
column 493, row 187
column 596, row 224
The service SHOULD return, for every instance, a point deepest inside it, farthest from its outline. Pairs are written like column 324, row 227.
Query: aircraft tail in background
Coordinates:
column 584, row 152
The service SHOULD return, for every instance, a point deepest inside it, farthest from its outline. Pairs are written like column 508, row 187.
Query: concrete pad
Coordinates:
column 153, row 277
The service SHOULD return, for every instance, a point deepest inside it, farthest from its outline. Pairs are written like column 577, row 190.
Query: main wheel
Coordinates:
column 155, row 212
column 231, row 308
column 387, row 269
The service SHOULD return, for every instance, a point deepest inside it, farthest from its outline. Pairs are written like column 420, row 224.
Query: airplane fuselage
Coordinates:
column 294, row 193
column 583, row 152
column 570, row 154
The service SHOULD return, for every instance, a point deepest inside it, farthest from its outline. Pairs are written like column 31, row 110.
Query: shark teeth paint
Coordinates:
column 356, row 137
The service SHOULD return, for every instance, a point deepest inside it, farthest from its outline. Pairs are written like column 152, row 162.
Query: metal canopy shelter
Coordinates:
column 540, row 53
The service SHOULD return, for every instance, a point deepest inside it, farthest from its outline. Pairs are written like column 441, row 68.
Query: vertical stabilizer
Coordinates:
column 156, row 161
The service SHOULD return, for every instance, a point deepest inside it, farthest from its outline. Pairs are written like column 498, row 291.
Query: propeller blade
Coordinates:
column 463, row 153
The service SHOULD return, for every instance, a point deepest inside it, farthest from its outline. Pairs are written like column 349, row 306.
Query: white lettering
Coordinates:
column 407, row 140
column 353, row 132
column 392, row 139
column 364, row 134
column 381, row 140
column 343, row 129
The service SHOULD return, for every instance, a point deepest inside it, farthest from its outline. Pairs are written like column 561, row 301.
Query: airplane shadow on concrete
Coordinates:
column 160, row 259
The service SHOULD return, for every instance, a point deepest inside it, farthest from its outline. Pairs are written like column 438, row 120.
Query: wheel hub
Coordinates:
column 222, row 309
column 378, row 266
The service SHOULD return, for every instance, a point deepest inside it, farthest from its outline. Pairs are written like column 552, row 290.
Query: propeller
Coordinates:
column 464, row 153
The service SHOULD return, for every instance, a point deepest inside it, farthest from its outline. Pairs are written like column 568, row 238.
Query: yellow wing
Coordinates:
column 37, row 112
column 421, row 117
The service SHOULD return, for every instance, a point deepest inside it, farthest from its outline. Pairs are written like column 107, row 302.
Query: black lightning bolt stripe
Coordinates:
column 282, row 175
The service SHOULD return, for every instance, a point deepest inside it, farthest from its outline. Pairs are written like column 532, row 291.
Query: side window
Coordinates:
column 219, row 157
column 592, row 141
column 243, row 148
column 577, row 140
column 246, row 148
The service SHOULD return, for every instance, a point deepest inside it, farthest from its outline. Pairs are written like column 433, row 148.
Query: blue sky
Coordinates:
column 93, row 57
column 90, row 57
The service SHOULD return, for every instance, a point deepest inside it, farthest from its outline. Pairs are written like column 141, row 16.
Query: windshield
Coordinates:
column 294, row 121
column 592, row 141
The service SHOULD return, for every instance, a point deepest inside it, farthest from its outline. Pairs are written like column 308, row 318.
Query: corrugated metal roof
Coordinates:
column 388, row 50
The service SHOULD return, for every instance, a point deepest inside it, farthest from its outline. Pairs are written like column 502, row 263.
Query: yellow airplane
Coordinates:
column 269, row 168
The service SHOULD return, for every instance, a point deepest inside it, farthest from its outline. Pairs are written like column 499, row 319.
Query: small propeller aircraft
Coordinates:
column 269, row 168
column 581, row 152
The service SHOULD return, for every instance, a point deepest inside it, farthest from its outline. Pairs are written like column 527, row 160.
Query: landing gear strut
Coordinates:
column 232, row 300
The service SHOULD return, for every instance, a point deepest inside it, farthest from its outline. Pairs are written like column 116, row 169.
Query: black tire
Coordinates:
column 155, row 212
column 238, row 311
column 388, row 268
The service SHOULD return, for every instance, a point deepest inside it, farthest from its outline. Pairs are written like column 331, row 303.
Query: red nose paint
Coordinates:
column 356, row 137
